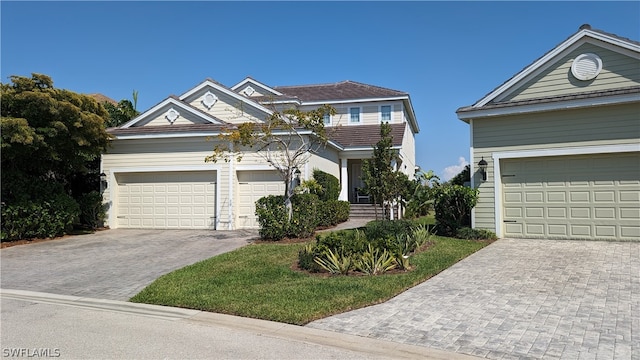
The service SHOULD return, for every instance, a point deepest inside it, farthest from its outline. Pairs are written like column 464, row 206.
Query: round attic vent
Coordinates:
column 586, row 66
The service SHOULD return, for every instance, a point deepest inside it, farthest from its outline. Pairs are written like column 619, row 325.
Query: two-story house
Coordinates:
column 155, row 172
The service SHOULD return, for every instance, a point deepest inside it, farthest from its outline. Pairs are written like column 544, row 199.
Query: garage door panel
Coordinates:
column 589, row 197
column 253, row 185
column 168, row 200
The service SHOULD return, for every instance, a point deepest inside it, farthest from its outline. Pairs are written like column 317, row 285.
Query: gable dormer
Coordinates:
column 172, row 111
column 250, row 87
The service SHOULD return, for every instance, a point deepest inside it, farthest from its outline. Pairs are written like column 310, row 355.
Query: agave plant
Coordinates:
column 334, row 263
column 421, row 234
column 374, row 262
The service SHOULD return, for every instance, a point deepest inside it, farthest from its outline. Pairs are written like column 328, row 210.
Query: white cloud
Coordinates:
column 453, row 170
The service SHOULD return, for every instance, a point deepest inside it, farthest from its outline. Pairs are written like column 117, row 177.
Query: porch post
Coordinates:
column 344, row 181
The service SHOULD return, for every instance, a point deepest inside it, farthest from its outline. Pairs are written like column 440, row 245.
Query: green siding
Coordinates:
column 618, row 71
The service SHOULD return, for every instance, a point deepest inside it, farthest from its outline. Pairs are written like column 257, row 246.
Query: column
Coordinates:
column 344, row 181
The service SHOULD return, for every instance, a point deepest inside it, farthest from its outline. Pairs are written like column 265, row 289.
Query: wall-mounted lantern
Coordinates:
column 103, row 180
column 297, row 173
column 482, row 164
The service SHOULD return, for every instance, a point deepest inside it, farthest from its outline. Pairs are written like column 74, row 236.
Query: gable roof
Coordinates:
column 250, row 80
column 172, row 101
column 584, row 34
column 217, row 86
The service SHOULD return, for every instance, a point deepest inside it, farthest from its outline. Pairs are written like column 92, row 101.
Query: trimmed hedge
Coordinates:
column 308, row 214
column 330, row 185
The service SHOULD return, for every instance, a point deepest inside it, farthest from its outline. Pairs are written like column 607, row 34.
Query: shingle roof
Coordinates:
column 364, row 135
column 344, row 90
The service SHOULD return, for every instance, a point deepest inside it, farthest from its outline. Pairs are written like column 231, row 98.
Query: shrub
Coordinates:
column 335, row 262
column 349, row 241
column 50, row 217
column 330, row 185
column 375, row 261
column 453, row 204
column 475, row 234
column 306, row 257
column 304, row 220
column 92, row 210
column 383, row 229
column 272, row 217
column 333, row 212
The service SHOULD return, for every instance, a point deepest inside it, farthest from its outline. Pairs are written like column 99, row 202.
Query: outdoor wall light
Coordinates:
column 482, row 164
column 297, row 174
column 103, row 180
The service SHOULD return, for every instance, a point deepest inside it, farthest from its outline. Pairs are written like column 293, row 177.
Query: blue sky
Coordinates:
column 444, row 54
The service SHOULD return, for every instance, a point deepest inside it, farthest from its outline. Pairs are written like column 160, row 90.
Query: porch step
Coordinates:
column 364, row 211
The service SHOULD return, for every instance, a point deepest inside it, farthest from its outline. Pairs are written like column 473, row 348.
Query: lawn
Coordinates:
column 261, row 281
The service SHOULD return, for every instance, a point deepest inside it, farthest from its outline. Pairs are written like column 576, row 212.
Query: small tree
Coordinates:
column 377, row 174
column 285, row 140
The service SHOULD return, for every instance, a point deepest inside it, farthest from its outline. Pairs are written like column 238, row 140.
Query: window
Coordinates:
column 385, row 113
column 327, row 119
column 354, row 115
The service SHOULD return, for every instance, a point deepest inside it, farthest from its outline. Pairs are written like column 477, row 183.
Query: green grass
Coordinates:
column 259, row 281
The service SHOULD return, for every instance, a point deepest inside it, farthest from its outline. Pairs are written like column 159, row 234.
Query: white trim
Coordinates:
column 166, row 102
column 518, row 154
column 349, row 122
column 557, row 105
column 257, row 83
column 164, row 136
column 565, row 46
column 390, row 121
column 209, row 83
column 472, row 170
column 113, row 185
column 232, row 195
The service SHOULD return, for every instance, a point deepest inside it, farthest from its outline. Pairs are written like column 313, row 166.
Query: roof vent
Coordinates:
column 585, row 27
column 586, row 66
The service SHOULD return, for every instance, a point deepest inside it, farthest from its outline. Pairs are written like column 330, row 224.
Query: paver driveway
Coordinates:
column 111, row 264
column 518, row 299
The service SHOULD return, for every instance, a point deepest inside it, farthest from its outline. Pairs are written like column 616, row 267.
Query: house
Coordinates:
column 560, row 141
column 156, row 176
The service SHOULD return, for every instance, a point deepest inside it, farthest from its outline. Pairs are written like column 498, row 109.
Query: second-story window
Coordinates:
column 385, row 113
column 326, row 119
column 354, row 115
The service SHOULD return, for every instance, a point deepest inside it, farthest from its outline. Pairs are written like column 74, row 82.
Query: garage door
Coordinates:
column 252, row 185
column 572, row 197
column 166, row 200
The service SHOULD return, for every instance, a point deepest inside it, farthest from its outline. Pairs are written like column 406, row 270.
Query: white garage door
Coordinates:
column 252, row 185
column 166, row 200
column 572, row 197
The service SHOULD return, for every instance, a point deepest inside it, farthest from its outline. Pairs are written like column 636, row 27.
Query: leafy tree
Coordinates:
column 462, row 177
column 379, row 178
column 49, row 135
column 285, row 140
column 422, row 198
column 121, row 113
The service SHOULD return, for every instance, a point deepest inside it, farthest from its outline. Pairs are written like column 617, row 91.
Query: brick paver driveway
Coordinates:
column 518, row 299
column 111, row 264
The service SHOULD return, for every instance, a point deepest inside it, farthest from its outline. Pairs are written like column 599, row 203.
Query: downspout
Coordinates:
column 231, row 193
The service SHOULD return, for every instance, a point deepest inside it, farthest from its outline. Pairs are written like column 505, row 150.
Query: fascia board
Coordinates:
column 169, row 101
column 257, row 83
column 563, row 47
column 164, row 136
column 560, row 105
column 226, row 91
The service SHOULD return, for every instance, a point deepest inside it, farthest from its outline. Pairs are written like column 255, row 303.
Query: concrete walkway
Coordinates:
column 68, row 327
column 518, row 299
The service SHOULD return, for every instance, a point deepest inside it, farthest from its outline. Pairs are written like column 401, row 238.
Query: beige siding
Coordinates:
column 326, row 160
column 408, row 153
column 227, row 108
column 618, row 71
column 369, row 113
column 605, row 125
